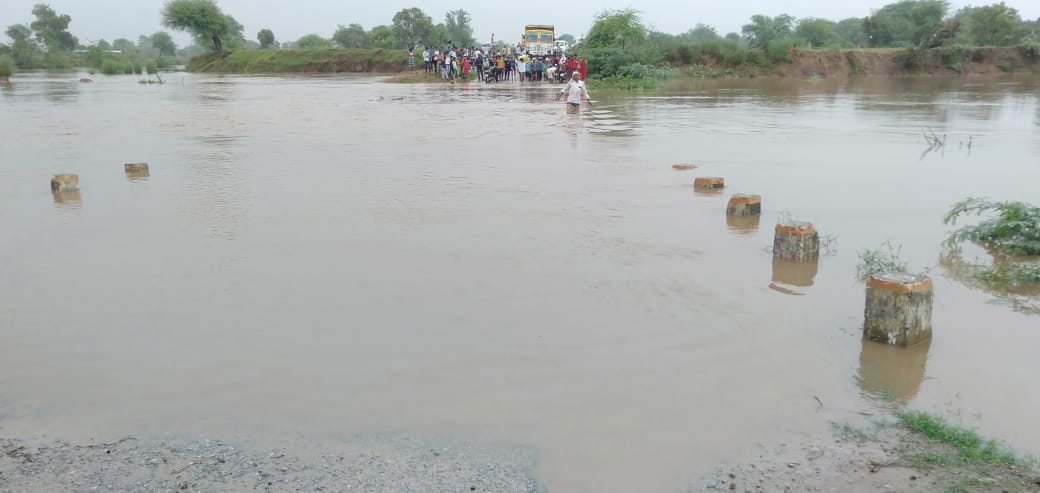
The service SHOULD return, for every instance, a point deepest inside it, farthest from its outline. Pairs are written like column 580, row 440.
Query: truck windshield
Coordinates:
column 532, row 37
column 547, row 38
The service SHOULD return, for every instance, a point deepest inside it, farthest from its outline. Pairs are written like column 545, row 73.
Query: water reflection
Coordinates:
column 61, row 91
column 137, row 176
column 891, row 373
column 1021, row 297
column 788, row 274
column 708, row 192
column 744, row 225
column 67, row 201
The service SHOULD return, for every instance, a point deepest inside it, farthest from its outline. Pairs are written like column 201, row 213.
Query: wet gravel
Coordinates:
column 395, row 465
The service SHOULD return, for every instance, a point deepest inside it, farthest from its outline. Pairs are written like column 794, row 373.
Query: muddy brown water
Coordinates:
column 312, row 257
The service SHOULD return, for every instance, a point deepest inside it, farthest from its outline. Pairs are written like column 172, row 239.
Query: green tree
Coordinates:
column 764, row 29
column 204, row 20
column 733, row 37
column 381, row 37
column 412, row 26
column 818, row 32
column 124, row 45
column 352, row 36
column 52, row 30
column 439, row 36
column 904, row 23
column 616, row 28
column 103, row 45
column 266, row 39
column 569, row 38
column 23, row 46
column 457, row 23
column 996, row 25
column 164, row 43
column 851, row 30
column 701, row 33
column 312, row 42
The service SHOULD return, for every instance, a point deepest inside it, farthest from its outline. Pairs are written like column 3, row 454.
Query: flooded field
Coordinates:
column 325, row 257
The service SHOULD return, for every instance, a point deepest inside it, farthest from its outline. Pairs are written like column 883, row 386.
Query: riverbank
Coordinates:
column 799, row 63
column 399, row 463
column 909, row 452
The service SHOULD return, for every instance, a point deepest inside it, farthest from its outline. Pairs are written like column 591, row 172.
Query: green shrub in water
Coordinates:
column 151, row 68
column 111, row 67
column 1013, row 227
column 6, row 66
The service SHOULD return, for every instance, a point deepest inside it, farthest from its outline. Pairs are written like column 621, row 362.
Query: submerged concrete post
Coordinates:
column 135, row 167
column 136, row 171
column 797, row 241
column 744, row 205
column 898, row 309
column 65, row 183
column 709, row 183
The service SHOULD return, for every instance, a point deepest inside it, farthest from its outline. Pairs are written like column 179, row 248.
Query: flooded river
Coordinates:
column 316, row 257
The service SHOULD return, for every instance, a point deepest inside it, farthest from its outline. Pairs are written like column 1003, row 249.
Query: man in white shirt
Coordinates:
column 575, row 91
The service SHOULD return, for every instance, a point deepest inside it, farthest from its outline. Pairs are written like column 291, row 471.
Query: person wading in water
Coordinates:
column 574, row 91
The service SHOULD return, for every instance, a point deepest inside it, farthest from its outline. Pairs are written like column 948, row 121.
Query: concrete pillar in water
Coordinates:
column 709, row 183
column 136, row 171
column 797, row 241
column 65, row 183
column 135, row 167
column 899, row 309
column 744, row 205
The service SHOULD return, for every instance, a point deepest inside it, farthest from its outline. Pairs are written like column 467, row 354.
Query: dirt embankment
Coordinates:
column 937, row 61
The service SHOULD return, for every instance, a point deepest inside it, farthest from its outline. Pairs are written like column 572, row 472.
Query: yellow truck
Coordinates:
column 539, row 39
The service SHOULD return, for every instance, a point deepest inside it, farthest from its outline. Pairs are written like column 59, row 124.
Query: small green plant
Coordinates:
column 1014, row 227
column 6, row 67
column 967, row 442
column 880, row 260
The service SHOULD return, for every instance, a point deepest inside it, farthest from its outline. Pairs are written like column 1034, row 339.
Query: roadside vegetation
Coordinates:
column 622, row 52
column 620, row 47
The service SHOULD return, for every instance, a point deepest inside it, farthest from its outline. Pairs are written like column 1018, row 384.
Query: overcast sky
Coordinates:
column 111, row 19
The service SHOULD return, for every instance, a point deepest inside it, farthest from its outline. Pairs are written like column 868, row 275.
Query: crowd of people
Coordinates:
column 452, row 63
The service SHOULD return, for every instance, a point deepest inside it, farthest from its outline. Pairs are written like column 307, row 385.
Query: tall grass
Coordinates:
column 880, row 260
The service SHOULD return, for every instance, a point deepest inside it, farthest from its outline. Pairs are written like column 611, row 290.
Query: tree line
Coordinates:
column 619, row 45
column 617, row 39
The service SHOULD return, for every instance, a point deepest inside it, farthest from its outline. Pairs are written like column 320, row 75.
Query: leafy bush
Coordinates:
column 111, row 67
column 151, row 67
column 1031, row 49
column 605, row 63
column 6, row 66
column 779, row 50
column 1014, row 228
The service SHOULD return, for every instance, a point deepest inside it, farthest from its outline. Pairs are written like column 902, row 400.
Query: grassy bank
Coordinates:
column 301, row 61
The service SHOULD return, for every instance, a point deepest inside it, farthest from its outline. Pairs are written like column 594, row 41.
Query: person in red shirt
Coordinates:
column 584, row 69
column 465, row 68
